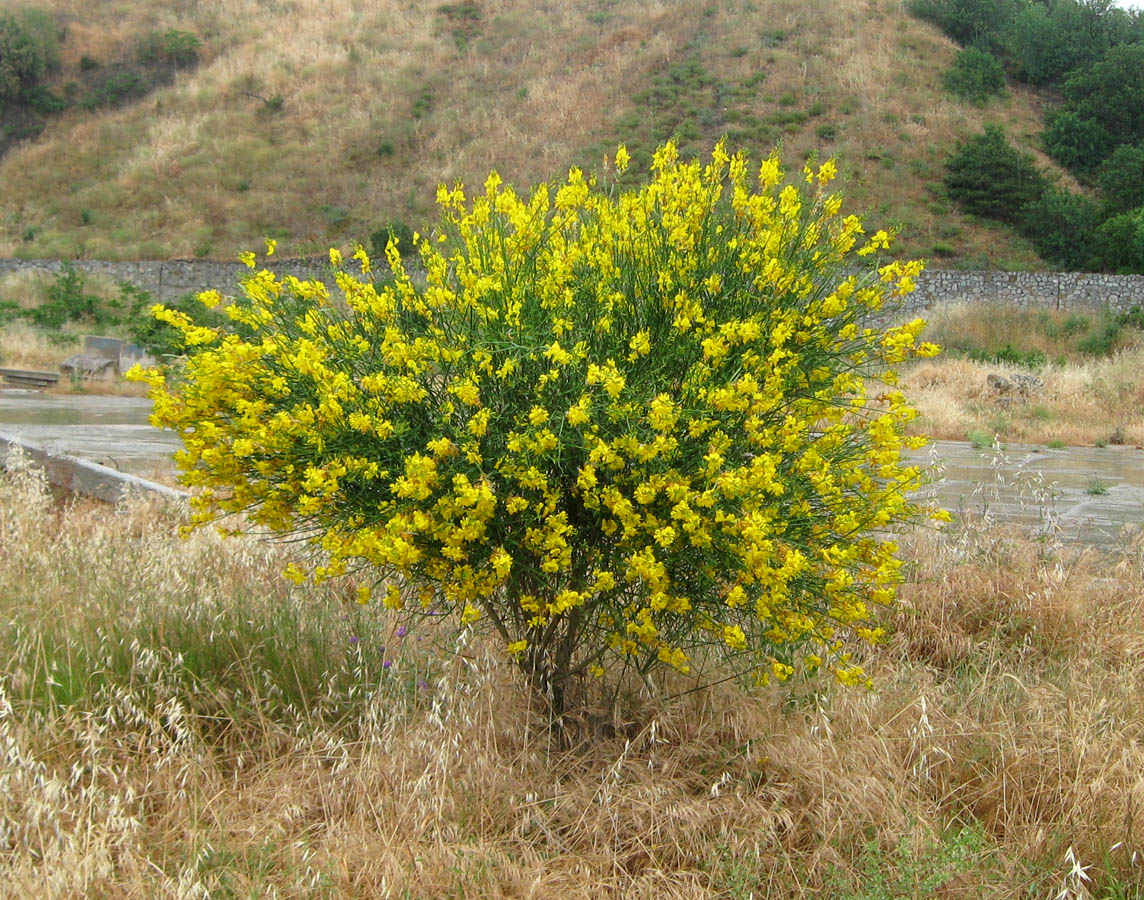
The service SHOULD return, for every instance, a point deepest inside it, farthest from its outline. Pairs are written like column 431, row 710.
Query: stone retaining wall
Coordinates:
column 1051, row 290
column 171, row 279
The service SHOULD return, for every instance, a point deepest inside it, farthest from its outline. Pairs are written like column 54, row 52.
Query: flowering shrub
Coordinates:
column 604, row 426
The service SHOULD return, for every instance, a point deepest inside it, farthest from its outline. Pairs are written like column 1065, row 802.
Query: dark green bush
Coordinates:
column 179, row 48
column 1121, row 243
column 1062, row 226
column 1102, row 341
column 1075, row 324
column 1121, row 178
column 975, row 76
column 968, row 21
column 68, row 301
column 1076, row 142
column 1030, row 359
column 1045, row 42
column 1134, row 318
column 988, row 177
column 40, row 98
column 396, row 231
column 116, row 89
column 9, row 310
column 29, row 49
column 1010, row 355
column 1111, row 93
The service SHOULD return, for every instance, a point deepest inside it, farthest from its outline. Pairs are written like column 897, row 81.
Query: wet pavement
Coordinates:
column 112, row 431
column 1088, row 494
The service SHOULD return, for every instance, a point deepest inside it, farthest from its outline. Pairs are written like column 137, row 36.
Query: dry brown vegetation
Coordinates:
column 178, row 721
column 316, row 122
column 1084, row 399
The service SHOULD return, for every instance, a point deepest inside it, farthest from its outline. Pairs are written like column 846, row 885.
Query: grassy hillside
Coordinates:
column 318, row 122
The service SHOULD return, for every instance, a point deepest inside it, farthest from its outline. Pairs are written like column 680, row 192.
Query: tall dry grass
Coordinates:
column 24, row 347
column 178, row 721
column 206, row 166
column 1082, row 399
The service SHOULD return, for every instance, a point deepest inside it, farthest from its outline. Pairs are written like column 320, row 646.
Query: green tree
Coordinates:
column 1121, row 178
column 988, row 177
column 1121, row 243
column 1062, row 226
column 976, row 75
column 1047, row 41
column 1111, row 93
column 980, row 22
column 29, row 49
column 1076, row 142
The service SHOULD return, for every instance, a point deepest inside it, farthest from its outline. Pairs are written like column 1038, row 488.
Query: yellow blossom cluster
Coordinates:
column 600, row 423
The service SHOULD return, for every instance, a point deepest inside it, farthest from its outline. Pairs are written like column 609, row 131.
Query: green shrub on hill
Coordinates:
column 1062, row 227
column 1121, row 242
column 975, row 76
column 988, row 177
column 1121, row 178
column 29, row 49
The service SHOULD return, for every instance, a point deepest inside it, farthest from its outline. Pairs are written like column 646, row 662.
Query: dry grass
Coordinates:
column 380, row 102
column 24, row 347
column 176, row 722
column 1084, row 399
column 1100, row 402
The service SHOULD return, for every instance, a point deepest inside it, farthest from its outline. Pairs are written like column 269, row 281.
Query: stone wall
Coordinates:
column 1041, row 290
column 170, row 279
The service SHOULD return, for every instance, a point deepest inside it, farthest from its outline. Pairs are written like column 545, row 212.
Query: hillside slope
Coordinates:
column 317, row 122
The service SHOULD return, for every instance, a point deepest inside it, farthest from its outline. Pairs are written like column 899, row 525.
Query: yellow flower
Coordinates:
column 577, row 393
column 362, row 257
column 663, row 414
column 470, row 614
column 295, row 573
column 640, row 344
column 271, row 246
column 734, row 637
column 623, row 158
column 247, row 258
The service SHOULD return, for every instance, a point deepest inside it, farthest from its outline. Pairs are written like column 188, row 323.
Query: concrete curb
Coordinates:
column 82, row 477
